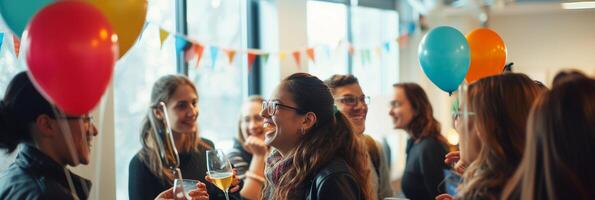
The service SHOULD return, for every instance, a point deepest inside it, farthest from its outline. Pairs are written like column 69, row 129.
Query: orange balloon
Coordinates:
column 488, row 54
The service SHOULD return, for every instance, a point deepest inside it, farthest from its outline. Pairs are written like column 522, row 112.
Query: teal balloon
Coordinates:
column 444, row 56
column 17, row 13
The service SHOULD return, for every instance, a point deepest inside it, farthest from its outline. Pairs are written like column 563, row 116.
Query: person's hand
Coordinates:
column 444, row 197
column 200, row 193
column 452, row 157
column 255, row 146
column 454, row 160
column 235, row 184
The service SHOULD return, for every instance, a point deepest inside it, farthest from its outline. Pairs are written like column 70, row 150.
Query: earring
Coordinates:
column 303, row 131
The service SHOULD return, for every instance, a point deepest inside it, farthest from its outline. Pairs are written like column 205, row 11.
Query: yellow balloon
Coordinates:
column 127, row 18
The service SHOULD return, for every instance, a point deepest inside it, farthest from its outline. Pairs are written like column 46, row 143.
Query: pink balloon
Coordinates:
column 71, row 57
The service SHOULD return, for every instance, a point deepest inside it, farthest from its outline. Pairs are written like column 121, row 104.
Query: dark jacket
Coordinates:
column 143, row 184
column 335, row 181
column 423, row 172
column 34, row 175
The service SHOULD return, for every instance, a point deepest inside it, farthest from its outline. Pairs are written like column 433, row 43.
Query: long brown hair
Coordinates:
column 501, row 104
column 558, row 161
column 331, row 137
column 423, row 124
column 251, row 99
column 162, row 91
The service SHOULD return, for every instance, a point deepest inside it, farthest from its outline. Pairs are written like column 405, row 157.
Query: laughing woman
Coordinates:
column 316, row 154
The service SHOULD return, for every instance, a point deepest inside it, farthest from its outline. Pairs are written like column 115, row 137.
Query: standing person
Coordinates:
column 49, row 140
column 501, row 106
column 558, row 161
column 317, row 155
column 249, row 151
column 148, row 176
column 353, row 103
column 411, row 111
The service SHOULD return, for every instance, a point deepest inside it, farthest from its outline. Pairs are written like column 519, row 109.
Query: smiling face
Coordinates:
column 356, row 113
column 282, row 129
column 401, row 109
column 182, row 110
column 251, row 122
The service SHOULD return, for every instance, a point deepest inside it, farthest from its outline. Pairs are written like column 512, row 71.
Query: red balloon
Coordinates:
column 71, row 57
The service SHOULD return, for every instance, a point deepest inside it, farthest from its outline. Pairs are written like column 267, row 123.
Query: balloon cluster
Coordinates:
column 447, row 57
column 73, row 45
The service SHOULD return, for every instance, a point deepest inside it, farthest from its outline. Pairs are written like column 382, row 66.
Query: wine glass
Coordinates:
column 182, row 188
column 219, row 170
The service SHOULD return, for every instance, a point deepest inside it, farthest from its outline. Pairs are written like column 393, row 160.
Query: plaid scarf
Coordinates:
column 276, row 167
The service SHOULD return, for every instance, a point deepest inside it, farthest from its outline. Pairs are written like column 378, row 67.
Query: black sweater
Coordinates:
column 424, row 169
column 143, row 185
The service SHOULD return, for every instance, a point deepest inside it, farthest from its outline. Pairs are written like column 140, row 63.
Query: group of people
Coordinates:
column 518, row 140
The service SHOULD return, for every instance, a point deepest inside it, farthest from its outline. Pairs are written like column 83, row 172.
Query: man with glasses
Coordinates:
column 353, row 103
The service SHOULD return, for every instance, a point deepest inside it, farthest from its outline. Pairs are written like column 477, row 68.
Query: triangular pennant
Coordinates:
column 198, row 49
column 368, row 55
column 387, row 46
column 310, row 54
column 17, row 45
column 214, row 53
column 251, row 59
column 402, row 40
column 378, row 51
column 162, row 35
column 230, row 55
column 282, row 56
column 297, row 58
column 1, row 40
column 181, row 43
column 327, row 50
column 189, row 53
column 265, row 58
column 351, row 50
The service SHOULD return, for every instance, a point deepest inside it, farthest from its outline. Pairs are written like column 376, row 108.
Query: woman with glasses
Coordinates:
column 50, row 141
column 147, row 175
column 249, row 151
column 411, row 111
column 501, row 106
column 351, row 101
column 317, row 155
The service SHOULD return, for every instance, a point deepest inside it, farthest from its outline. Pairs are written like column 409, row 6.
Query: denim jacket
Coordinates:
column 34, row 175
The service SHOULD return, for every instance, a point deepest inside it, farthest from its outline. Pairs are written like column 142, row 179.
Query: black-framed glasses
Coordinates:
column 352, row 100
column 271, row 107
column 84, row 118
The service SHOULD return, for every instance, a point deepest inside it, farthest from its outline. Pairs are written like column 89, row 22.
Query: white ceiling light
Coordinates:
column 579, row 5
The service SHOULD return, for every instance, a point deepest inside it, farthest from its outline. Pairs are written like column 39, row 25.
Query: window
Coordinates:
column 221, row 83
column 375, row 64
column 134, row 76
column 327, row 28
column 9, row 67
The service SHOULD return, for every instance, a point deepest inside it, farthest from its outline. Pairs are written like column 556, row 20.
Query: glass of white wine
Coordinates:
column 219, row 170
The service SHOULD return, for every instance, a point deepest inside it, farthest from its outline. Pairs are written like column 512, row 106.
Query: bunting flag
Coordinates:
column 1, row 39
column 265, row 58
column 402, row 40
column 310, row 54
column 189, row 53
column 181, row 43
column 282, row 56
column 251, row 59
column 214, row 53
column 230, row 55
column 387, row 46
column 162, row 35
column 198, row 50
column 296, row 57
column 17, row 45
column 351, row 50
column 368, row 55
column 378, row 52
column 327, row 50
